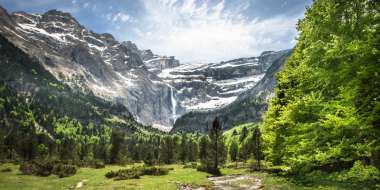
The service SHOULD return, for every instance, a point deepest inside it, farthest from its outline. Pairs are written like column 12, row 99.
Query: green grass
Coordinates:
column 95, row 179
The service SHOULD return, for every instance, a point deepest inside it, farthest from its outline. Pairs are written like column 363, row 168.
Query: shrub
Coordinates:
column 27, row 168
column 123, row 174
column 136, row 172
column 8, row 169
column 111, row 174
column 45, row 168
column 39, row 168
column 128, row 174
column 64, row 170
column 90, row 163
column 361, row 173
column 154, row 171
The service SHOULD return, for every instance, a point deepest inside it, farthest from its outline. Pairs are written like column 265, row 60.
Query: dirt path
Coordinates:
column 231, row 182
column 236, row 182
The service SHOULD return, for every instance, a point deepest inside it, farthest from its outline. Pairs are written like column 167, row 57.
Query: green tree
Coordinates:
column 233, row 151
column 192, row 150
column 243, row 134
column 203, row 149
column 184, row 149
column 117, row 140
column 167, row 150
column 330, row 117
column 217, row 149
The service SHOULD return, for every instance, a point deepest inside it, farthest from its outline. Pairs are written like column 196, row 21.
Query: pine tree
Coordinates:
column 256, row 137
column 203, row 148
column 244, row 133
column 217, row 148
column 117, row 138
column 192, row 151
column 184, row 149
column 167, row 148
column 233, row 151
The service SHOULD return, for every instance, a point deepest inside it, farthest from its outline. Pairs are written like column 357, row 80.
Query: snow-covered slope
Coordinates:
column 248, row 107
column 215, row 85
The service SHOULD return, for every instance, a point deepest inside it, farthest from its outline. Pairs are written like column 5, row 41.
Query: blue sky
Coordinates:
column 191, row 30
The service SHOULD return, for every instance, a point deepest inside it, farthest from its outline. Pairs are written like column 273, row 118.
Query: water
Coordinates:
column 174, row 103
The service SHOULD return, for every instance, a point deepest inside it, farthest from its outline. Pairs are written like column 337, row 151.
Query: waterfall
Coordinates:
column 174, row 103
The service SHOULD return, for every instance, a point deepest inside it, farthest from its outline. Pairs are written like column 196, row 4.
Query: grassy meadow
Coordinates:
column 94, row 179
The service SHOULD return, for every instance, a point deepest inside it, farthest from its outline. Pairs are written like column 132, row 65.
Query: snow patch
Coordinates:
column 162, row 127
column 215, row 102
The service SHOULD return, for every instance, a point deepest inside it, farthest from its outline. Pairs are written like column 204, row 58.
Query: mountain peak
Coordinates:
column 54, row 15
column 58, row 13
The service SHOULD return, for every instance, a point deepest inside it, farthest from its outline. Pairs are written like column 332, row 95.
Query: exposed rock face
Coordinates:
column 156, row 89
column 92, row 62
column 214, row 85
column 248, row 107
column 157, row 63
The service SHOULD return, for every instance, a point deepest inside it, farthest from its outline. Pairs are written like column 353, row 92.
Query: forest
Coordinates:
column 322, row 124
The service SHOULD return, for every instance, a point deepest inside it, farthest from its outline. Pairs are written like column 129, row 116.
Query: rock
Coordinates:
column 92, row 62
column 157, row 90
column 248, row 106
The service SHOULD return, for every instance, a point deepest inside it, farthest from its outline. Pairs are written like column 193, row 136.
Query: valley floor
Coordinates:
column 178, row 178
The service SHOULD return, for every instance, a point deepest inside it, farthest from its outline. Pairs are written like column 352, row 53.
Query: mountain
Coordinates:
column 91, row 62
column 249, row 106
column 214, row 85
column 25, row 81
column 157, row 90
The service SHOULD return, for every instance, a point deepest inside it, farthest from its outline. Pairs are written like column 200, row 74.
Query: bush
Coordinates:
column 46, row 168
column 91, row 164
column 154, row 171
column 128, row 174
column 6, row 170
column 136, row 172
column 64, row 170
column 111, row 174
column 36, row 168
column 123, row 174
column 361, row 173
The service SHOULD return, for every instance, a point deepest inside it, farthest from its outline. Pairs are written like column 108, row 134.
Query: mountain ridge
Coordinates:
column 149, row 85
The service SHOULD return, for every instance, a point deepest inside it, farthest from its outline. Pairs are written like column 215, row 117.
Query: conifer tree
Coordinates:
column 233, row 151
column 217, row 149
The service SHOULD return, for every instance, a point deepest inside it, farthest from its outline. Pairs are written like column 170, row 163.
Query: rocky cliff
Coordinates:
column 157, row 90
column 249, row 105
column 92, row 62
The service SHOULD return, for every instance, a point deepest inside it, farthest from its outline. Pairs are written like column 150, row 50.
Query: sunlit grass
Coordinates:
column 95, row 179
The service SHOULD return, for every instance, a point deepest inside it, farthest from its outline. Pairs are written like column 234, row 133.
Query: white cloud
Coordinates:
column 121, row 17
column 204, row 32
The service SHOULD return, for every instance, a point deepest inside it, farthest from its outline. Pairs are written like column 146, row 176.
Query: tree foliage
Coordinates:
column 326, row 109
